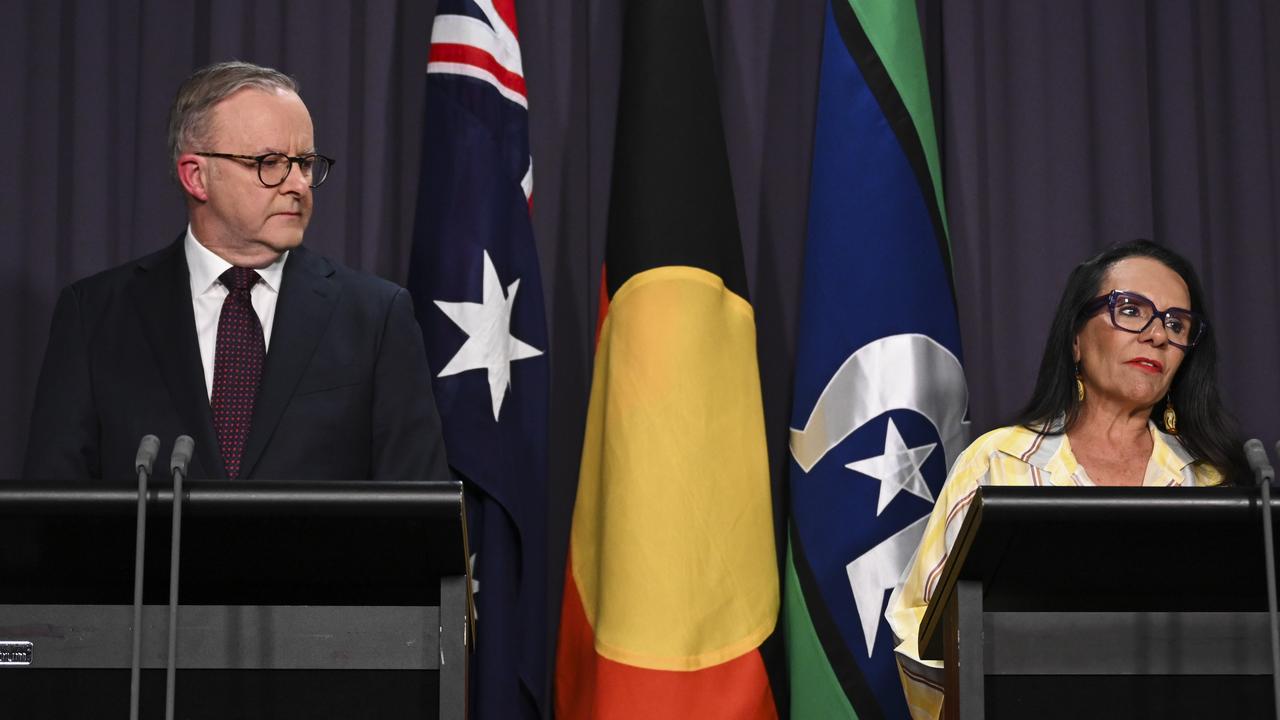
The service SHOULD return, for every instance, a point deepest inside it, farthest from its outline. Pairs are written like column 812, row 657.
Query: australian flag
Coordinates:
column 475, row 282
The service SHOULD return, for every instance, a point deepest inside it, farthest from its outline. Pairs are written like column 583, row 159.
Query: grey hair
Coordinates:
column 192, row 111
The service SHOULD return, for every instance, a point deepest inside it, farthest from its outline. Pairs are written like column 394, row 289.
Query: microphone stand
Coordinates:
column 182, row 450
column 1268, row 539
column 146, row 458
column 1265, row 475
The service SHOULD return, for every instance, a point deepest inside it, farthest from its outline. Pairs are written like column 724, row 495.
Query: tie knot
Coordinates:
column 239, row 278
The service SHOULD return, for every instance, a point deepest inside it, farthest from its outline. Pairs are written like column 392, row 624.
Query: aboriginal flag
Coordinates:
column 671, row 582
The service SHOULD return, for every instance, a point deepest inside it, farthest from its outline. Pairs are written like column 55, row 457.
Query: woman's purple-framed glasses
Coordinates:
column 1134, row 313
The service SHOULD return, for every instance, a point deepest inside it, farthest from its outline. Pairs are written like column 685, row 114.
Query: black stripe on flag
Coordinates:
column 671, row 202
column 895, row 111
column 824, row 626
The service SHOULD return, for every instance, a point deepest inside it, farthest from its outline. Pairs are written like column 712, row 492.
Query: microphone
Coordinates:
column 183, row 448
column 1258, row 463
column 1265, row 475
column 148, row 449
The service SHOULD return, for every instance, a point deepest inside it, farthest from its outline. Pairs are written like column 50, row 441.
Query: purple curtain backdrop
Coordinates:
column 1064, row 127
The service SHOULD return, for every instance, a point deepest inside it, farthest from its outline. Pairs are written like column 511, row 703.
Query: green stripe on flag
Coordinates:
column 894, row 31
column 815, row 691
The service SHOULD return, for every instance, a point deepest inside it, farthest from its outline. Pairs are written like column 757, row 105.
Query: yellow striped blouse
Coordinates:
column 1005, row 456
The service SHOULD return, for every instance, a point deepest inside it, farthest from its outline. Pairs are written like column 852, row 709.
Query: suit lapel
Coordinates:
column 162, row 296
column 307, row 298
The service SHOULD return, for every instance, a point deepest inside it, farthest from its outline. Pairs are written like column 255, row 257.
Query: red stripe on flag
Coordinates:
column 469, row 55
column 590, row 686
column 507, row 11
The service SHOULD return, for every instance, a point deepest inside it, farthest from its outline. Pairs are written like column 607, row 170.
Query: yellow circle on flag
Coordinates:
column 672, row 539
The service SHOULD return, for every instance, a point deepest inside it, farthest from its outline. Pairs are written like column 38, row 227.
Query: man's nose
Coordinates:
column 296, row 181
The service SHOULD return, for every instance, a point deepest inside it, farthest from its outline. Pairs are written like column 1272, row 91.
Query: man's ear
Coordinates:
column 193, row 174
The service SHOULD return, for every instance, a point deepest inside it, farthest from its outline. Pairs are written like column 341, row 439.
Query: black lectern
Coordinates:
column 317, row 600
column 1104, row 603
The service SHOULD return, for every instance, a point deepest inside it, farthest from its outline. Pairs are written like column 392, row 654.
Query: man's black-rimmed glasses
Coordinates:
column 273, row 168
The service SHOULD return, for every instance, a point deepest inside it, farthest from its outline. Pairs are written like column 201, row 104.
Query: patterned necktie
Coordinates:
column 237, row 366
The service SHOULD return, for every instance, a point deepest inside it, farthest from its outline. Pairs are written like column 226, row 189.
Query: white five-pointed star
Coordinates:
column 490, row 345
column 897, row 469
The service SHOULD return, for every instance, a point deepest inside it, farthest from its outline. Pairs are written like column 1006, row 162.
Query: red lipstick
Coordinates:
column 1147, row 364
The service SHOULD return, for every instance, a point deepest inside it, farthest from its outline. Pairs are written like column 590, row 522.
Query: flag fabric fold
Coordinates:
column 475, row 279
column 880, row 397
column 671, row 581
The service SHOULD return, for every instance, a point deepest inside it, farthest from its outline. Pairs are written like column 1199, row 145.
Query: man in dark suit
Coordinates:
column 279, row 363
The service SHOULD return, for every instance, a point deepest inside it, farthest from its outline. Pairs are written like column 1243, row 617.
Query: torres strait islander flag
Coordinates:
column 475, row 281
column 880, row 398
column 671, row 581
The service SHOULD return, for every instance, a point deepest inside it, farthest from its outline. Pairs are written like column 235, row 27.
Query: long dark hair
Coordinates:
column 1204, row 426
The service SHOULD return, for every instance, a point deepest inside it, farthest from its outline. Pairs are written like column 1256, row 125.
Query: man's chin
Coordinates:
column 280, row 242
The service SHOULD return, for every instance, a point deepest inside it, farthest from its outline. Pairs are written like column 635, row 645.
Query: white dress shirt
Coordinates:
column 207, row 294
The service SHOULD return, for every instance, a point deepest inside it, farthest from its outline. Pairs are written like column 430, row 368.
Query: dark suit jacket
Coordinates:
column 345, row 394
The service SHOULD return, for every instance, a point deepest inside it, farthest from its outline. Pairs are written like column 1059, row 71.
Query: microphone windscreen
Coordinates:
column 148, row 449
column 183, row 448
column 1256, row 454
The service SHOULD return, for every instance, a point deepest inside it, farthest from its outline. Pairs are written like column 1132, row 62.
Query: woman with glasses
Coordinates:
column 1127, row 395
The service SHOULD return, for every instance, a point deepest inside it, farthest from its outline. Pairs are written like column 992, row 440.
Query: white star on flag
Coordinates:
column 490, row 345
column 897, row 469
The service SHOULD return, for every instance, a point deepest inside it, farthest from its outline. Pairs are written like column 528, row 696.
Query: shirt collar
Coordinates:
column 204, row 267
column 1043, row 450
column 1050, row 453
column 1169, row 450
